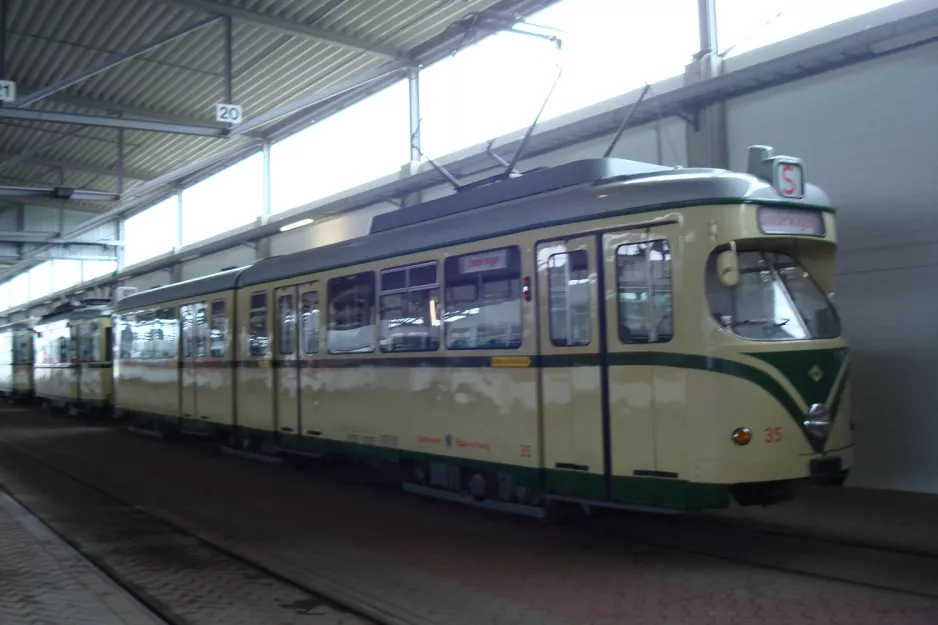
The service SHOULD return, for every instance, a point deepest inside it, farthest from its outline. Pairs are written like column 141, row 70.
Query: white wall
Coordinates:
column 149, row 280
column 327, row 231
column 867, row 135
column 213, row 263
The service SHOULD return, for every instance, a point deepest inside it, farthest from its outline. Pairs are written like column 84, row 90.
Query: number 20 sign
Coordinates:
column 228, row 113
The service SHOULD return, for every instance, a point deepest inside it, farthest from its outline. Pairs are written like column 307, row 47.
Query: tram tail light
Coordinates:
column 526, row 289
column 742, row 436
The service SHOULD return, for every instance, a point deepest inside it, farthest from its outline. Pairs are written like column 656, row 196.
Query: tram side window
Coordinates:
column 483, row 300
column 62, row 355
column 201, row 329
column 643, row 275
column 84, row 343
column 126, row 342
column 351, row 314
column 166, row 326
column 185, row 318
column 257, row 337
column 73, row 336
column 94, row 342
column 309, row 322
column 568, row 278
column 409, row 314
column 142, row 339
column 218, row 332
column 21, row 350
column 287, row 324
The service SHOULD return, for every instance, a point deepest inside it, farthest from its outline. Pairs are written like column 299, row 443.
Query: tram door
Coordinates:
column 644, row 397
column 570, row 339
column 287, row 380
column 192, row 317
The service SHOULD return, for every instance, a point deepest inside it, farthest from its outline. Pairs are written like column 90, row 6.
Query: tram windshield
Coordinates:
column 775, row 299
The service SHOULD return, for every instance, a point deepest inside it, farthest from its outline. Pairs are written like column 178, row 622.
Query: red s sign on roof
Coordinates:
column 789, row 179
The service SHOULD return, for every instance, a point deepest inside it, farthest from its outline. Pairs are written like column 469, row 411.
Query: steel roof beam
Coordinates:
column 84, row 168
column 112, row 122
column 52, row 192
column 19, row 236
column 126, row 110
column 290, row 27
column 112, row 61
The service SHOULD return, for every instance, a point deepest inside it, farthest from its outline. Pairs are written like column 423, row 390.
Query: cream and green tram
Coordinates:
column 73, row 368
column 16, row 361
column 173, row 366
column 603, row 332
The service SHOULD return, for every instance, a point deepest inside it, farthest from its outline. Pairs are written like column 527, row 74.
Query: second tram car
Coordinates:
column 603, row 332
column 16, row 361
column 73, row 368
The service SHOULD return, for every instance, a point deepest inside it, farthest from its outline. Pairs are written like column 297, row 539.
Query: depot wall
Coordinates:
column 868, row 134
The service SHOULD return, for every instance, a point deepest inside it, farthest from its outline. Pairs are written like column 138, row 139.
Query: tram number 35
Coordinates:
column 773, row 435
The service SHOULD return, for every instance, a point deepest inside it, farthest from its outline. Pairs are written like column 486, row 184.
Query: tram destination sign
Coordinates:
column 778, row 220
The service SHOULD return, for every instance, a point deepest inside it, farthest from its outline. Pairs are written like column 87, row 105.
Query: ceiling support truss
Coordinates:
column 289, row 27
column 109, row 63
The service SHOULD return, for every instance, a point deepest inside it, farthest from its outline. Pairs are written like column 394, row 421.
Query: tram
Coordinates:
column 73, row 365
column 16, row 361
column 603, row 332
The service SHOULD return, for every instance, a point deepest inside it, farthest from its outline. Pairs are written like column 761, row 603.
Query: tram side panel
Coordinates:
column 255, row 399
column 394, row 372
column 6, row 363
column 56, row 371
column 23, row 375
column 146, row 371
column 96, row 382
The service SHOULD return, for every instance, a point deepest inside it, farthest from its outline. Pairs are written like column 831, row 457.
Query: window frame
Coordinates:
column 372, row 317
column 282, row 335
column 510, row 249
column 253, row 352
column 620, row 308
column 213, row 353
column 406, row 290
column 550, row 306
column 304, row 324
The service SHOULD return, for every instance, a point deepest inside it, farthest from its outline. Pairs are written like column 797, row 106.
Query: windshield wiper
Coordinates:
column 759, row 322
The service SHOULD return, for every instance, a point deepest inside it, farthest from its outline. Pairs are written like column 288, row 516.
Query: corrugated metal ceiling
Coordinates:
column 51, row 40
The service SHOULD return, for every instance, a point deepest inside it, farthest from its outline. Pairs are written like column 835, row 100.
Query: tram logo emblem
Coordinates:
column 449, row 440
column 815, row 373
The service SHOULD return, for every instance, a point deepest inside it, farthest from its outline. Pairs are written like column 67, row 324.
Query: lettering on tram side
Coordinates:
column 453, row 442
column 473, row 445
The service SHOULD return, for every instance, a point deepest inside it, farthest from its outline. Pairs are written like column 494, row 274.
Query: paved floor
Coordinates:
column 445, row 564
column 44, row 581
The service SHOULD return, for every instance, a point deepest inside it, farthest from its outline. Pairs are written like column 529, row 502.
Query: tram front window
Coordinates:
column 776, row 299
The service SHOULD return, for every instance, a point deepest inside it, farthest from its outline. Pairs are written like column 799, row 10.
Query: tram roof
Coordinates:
column 214, row 283
column 75, row 314
column 576, row 191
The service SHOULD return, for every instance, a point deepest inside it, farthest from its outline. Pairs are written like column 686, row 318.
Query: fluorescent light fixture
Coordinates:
column 296, row 224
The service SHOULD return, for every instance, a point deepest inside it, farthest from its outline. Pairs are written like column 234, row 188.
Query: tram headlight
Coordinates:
column 742, row 436
column 817, row 422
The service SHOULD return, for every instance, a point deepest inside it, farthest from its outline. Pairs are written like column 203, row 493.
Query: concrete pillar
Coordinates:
column 408, row 170
column 706, row 135
column 262, row 248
